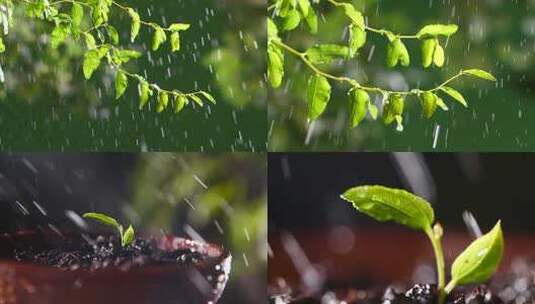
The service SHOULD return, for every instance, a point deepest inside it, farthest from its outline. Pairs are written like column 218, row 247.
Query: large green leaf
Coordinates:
column 478, row 262
column 318, row 95
column 388, row 204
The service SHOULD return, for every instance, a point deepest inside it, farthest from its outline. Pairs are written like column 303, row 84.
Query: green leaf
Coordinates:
column 434, row 30
column 291, row 21
column 478, row 262
column 175, row 42
column 397, row 52
column 58, row 35
column 180, row 102
column 372, row 109
column 441, row 104
column 123, row 56
column 318, row 95
column 455, row 94
column 388, row 204
column 358, row 105
column 273, row 32
column 355, row 16
column 197, row 100
column 135, row 25
column 90, row 41
column 158, row 38
column 176, row 27
column 326, row 53
column 428, row 50
column 144, row 93
column 304, row 7
column 208, row 96
column 113, row 34
column 92, row 60
column 438, row 56
column 163, row 101
column 275, row 65
column 312, row 21
column 429, row 104
column 121, row 83
column 77, row 14
column 2, row 45
column 128, row 237
column 480, row 73
column 102, row 218
column 357, row 39
column 393, row 108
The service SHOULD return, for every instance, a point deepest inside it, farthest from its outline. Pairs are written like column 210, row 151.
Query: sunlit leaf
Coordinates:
column 357, row 39
column 291, row 21
column 388, row 204
column 455, row 94
column 434, row 30
column 358, row 105
column 318, row 95
column 135, row 25
column 158, row 38
column 163, row 101
column 429, row 104
column 326, row 53
column 428, row 50
column 480, row 73
column 121, row 83
column 438, row 56
column 478, row 262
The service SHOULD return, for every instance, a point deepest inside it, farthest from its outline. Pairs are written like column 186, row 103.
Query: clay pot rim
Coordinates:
column 223, row 259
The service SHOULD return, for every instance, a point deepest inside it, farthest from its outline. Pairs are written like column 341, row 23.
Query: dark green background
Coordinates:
column 34, row 117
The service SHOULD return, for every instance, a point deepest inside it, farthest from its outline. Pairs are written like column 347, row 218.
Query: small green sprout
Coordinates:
column 476, row 264
column 127, row 236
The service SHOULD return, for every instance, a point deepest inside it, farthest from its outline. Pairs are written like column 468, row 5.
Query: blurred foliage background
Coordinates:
column 46, row 104
column 220, row 197
column 494, row 35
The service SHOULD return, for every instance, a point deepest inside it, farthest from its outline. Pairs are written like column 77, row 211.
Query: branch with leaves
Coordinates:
column 88, row 21
column 287, row 15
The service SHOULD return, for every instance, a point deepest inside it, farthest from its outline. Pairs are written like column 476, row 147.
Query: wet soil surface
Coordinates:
column 104, row 252
column 418, row 294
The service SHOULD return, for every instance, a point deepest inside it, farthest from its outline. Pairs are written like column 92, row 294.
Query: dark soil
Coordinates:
column 418, row 294
column 104, row 252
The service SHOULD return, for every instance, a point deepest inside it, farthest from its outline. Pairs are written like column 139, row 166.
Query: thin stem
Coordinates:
column 450, row 286
column 353, row 82
column 436, row 241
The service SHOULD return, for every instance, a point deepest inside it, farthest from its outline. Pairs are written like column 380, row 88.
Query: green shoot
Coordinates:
column 127, row 236
column 476, row 264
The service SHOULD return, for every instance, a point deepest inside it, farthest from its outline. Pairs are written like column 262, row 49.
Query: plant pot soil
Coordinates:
column 367, row 267
column 69, row 268
column 417, row 294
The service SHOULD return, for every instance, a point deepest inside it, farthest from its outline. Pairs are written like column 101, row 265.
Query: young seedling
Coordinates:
column 127, row 236
column 476, row 264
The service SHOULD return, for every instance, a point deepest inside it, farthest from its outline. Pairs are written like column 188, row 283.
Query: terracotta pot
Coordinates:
column 202, row 282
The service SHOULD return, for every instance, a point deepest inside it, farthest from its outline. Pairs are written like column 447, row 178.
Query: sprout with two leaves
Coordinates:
column 476, row 264
column 127, row 236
